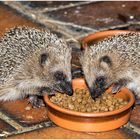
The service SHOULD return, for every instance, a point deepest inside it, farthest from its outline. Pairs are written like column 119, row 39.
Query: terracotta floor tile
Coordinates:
column 23, row 112
column 135, row 116
column 57, row 132
column 9, row 18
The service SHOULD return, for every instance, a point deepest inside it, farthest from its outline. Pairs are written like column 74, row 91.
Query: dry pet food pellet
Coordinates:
column 81, row 101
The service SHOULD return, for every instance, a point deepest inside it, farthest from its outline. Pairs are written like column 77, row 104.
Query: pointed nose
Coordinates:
column 96, row 92
column 66, row 87
column 69, row 90
column 92, row 92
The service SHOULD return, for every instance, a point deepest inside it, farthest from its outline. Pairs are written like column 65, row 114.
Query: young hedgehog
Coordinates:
column 114, row 60
column 31, row 61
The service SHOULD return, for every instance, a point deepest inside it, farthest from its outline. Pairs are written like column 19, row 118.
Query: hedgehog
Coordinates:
column 114, row 61
column 33, row 62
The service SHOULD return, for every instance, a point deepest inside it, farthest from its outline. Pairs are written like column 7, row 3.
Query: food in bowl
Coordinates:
column 81, row 101
column 90, row 121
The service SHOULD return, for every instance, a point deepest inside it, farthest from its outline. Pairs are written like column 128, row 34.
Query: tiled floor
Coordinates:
column 69, row 20
column 89, row 15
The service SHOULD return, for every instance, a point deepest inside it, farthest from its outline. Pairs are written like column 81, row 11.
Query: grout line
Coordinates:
column 68, row 24
column 65, row 6
column 31, row 128
column 132, row 127
column 129, row 23
column 10, row 121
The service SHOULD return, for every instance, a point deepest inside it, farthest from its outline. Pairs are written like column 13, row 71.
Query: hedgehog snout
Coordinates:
column 96, row 92
column 98, row 87
column 64, row 83
column 66, row 86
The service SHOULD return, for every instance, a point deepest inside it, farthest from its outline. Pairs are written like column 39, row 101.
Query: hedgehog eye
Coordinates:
column 106, row 59
column 43, row 58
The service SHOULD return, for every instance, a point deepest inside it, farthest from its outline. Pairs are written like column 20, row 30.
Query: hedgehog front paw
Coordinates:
column 116, row 87
column 36, row 102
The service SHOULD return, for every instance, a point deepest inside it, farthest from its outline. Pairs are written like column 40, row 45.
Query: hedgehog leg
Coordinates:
column 118, row 85
column 35, row 101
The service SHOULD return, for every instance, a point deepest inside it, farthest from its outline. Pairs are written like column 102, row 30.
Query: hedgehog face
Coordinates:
column 64, row 85
column 98, row 73
column 57, row 70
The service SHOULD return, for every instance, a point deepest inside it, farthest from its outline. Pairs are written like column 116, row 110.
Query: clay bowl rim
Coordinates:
column 95, row 114
column 97, row 35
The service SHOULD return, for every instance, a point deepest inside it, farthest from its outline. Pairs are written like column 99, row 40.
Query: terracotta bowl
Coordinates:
column 90, row 122
column 94, row 37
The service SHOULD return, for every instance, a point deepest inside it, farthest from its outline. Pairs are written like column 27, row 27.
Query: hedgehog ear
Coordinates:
column 105, row 61
column 43, row 58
